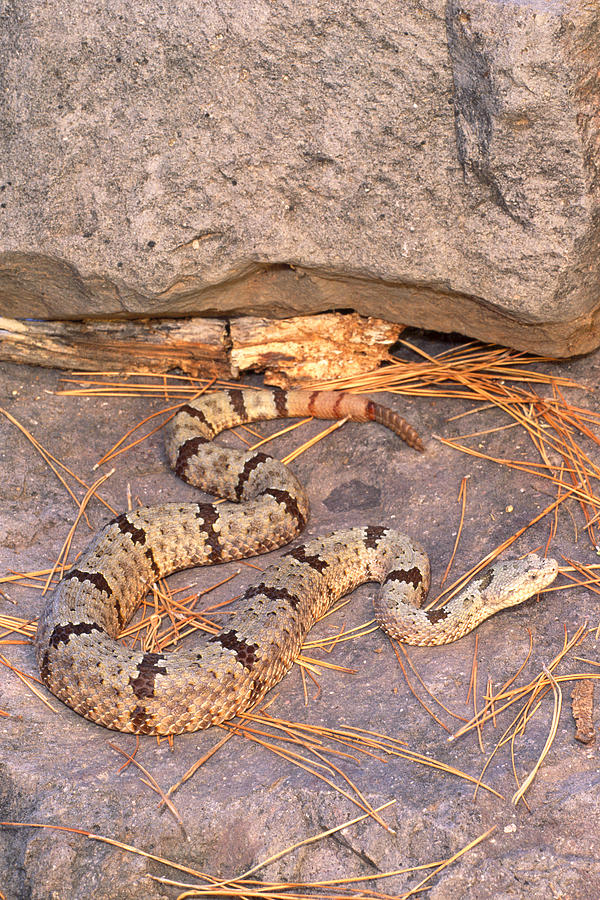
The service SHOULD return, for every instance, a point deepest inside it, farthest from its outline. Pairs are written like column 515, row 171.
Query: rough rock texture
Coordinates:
column 434, row 166
column 245, row 804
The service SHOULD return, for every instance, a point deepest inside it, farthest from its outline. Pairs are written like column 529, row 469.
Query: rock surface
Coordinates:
column 245, row 804
column 438, row 167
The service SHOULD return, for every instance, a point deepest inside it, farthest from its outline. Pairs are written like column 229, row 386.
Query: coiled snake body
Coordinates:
column 157, row 693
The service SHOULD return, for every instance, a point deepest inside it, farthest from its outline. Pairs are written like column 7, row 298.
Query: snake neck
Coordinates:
column 499, row 587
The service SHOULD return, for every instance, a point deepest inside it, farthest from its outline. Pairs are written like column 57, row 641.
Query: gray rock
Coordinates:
column 435, row 166
column 245, row 804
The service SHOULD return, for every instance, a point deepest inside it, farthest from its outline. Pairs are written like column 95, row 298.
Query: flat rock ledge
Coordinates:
column 245, row 804
column 437, row 168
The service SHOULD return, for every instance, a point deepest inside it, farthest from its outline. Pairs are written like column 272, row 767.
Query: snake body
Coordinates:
column 157, row 693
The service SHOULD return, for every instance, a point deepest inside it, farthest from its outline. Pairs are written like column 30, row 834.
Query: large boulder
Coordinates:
column 433, row 164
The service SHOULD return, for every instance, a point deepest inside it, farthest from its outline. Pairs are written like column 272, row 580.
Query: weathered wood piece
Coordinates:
column 582, row 707
column 310, row 348
column 197, row 346
column 288, row 351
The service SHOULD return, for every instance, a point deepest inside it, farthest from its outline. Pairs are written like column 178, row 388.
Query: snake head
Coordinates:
column 513, row 581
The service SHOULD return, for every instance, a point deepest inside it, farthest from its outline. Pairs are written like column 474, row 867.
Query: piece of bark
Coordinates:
column 582, row 706
column 199, row 347
column 310, row 348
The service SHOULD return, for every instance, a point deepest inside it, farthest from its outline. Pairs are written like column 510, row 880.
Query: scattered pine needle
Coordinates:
column 199, row 763
column 242, row 886
column 27, row 681
column 508, row 696
column 400, row 648
column 121, row 447
column 55, row 464
column 518, row 795
column 493, row 554
column 462, row 496
column 16, row 625
column 310, row 443
column 167, row 387
column 493, row 379
column 150, row 781
column 61, row 562
column 473, row 689
column 359, row 739
column 281, row 432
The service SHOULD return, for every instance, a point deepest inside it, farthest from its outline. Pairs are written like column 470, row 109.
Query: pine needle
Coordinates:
column 549, row 740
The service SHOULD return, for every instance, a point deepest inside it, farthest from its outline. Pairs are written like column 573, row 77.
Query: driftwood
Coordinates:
column 197, row 346
column 310, row 348
column 288, row 351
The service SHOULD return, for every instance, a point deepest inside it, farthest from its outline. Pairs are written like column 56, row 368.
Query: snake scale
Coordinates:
column 168, row 693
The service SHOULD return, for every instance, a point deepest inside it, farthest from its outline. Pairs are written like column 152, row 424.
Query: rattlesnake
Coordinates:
column 156, row 693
